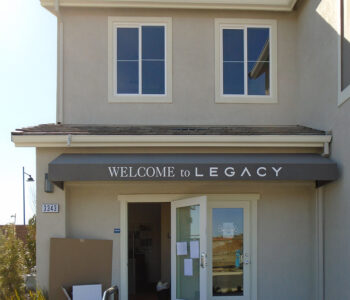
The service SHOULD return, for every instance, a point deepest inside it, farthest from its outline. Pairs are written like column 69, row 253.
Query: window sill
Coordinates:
column 344, row 96
column 140, row 99
column 245, row 100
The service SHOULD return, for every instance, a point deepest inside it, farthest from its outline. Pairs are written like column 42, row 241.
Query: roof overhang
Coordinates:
column 69, row 140
column 270, row 5
column 191, row 167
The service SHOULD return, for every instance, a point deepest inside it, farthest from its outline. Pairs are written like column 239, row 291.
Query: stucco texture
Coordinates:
column 317, row 57
column 285, row 227
column 85, row 68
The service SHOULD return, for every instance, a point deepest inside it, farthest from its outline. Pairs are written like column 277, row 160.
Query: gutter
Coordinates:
column 173, row 4
column 215, row 141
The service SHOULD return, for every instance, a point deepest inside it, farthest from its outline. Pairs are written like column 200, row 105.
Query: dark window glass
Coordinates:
column 153, row 53
column 152, row 42
column 258, row 61
column 153, row 77
column 258, row 40
column 234, row 78
column 233, row 59
column 127, row 43
column 153, row 62
column 258, row 78
column 233, row 45
column 127, row 77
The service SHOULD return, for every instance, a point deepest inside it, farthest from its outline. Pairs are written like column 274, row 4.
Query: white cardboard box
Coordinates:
column 87, row 292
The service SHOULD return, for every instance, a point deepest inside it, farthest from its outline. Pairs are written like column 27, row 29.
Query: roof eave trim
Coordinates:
column 190, row 4
column 68, row 140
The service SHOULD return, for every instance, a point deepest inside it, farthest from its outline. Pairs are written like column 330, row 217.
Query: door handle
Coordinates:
column 203, row 259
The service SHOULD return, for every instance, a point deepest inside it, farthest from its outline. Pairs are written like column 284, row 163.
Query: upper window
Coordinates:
column 246, row 61
column 344, row 47
column 139, row 59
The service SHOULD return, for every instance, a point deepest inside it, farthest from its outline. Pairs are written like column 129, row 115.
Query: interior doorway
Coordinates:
column 149, row 252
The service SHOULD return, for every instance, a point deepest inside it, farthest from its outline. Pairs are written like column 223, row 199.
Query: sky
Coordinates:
column 28, row 41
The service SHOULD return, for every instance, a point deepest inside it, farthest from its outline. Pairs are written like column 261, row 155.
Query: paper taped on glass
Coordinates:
column 194, row 249
column 228, row 230
column 188, row 267
column 181, row 248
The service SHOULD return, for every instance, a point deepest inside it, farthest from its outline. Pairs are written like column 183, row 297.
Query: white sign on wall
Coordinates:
column 50, row 208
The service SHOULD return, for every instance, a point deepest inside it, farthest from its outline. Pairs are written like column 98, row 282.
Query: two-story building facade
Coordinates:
column 205, row 141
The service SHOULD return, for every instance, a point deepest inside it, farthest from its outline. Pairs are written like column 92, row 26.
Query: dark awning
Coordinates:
column 160, row 167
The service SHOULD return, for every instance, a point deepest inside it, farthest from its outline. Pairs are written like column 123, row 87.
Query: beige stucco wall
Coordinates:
column 48, row 225
column 317, row 107
column 285, row 224
column 85, row 71
column 285, row 227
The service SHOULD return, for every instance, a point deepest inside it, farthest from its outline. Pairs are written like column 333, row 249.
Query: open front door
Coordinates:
column 189, row 249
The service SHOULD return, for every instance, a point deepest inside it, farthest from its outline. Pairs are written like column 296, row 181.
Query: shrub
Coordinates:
column 11, row 264
column 30, row 248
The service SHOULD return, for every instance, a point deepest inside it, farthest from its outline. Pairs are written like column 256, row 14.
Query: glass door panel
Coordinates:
column 229, row 251
column 227, row 257
column 189, row 249
column 187, row 265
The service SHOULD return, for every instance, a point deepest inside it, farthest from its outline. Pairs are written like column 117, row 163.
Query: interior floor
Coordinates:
column 144, row 296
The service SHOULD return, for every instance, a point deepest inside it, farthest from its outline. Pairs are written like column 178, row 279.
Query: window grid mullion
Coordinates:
column 245, row 46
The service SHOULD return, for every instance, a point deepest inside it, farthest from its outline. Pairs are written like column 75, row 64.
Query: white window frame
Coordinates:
column 343, row 95
column 221, row 24
column 137, row 22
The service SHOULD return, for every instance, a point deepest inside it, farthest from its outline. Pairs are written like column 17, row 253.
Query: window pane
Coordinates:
column 127, row 77
column 227, row 249
column 258, row 44
column 153, row 77
column 233, row 45
column 187, row 230
column 258, row 78
column 152, row 42
column 127, row 43
column 233, row 78
column 345, row 44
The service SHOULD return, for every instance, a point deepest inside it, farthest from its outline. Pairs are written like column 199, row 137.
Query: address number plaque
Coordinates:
column 50, row 208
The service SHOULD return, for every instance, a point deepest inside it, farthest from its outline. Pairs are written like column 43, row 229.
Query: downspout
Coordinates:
column 319, row 245
column 59, row 95
column 326, row 148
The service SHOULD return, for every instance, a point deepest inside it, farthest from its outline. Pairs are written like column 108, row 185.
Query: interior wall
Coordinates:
column 147, row 215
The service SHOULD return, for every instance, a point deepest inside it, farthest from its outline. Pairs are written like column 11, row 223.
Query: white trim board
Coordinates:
column 267, row 5
column 67, row 140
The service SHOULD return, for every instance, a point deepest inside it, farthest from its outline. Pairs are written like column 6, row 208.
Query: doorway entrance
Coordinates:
column 203, row 247
column 148, row 250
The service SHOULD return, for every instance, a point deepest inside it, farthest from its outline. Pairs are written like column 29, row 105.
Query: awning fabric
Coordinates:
column 160, row 167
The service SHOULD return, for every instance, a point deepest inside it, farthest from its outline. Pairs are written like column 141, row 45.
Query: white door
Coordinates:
column 229, row 254
column 189, row 249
